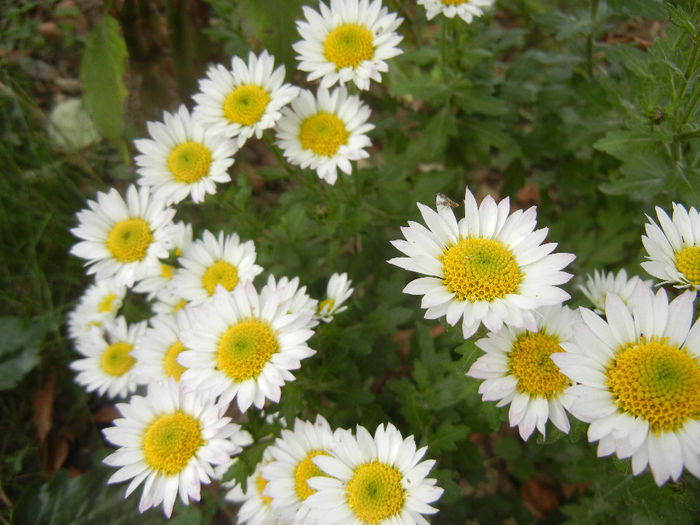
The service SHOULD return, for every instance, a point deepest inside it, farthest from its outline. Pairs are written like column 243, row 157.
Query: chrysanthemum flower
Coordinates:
column 211, row 262
column 467, row 10
column 244, row 345
column 489, row 267
column 292, row 465
column 99, row 303
column 602, row 283
column 325, row 132
column 639, row 376
column 245, row 100
column 379, row 480
column 337, row 292
column 183, row 158
column 254, row 507
column 154, row 284
column 157, row 351
column 107, row 363
column 349, row 41
column 169, row 441
column 518, row 370
column 168, row 301
column 674, row 248
column 123, row 239
column 298, row 301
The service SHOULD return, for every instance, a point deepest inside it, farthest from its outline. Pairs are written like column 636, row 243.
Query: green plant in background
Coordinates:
column 588, row 111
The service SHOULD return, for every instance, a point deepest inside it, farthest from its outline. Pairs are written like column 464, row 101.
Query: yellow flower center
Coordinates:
column 116, row 360
column 477, row 269
column 530, row 362
column 166, row 271
column 261, row 484
column 245, row 348
column 221, row 273
column 107, row 304
column 656, row 381
column 323, row 134
column 129, row 239
column 189, row 162
column 305, row 470
column 170, row 441
column 374, row 493
column 326, row 305
column 246, row 104
column 453, row 2
column 688, row 263
column 172, row 367
column 179, row 305
column 348, row 45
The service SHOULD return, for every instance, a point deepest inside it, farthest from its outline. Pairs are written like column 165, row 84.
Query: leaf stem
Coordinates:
column 591, row 36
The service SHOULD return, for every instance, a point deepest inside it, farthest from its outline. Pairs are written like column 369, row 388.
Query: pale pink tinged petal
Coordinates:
column 557, row 414
column 527, row 423
column 640, row 459
column 606, row 446
column 669, row 229
column 680, row 317
column 601, row 427
column 619, row 319
column 673, row 452
column 659, row 460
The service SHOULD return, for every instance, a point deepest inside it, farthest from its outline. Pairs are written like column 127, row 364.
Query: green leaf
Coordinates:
column 83, row 500
column 447, row 436
column 19, row 348
column 508, row 448
column 102, row 75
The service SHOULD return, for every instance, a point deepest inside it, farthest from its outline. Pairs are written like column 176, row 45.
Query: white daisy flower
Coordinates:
column 518, row 370
column 325, row 132
column 170, row 441
column 244, row 345
column 349, row 41
column 489, row 267
column 292, row 465
column 379, row 480
column 639, row 375
column 467, row 10
column 211, row 262
column 123, row 239
column 157, row 351
column 298, row 301
column 337, row 292
column 182, row 237
column 183, row 158
column 246, row 99
column 674, row 248
column 600, row 284
column 99, row 303
column 168, row 301
column 254, row 507
column 107, row 363
column 154, row 281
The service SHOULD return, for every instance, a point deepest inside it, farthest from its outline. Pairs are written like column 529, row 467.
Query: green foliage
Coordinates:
column 549, row 97
column 102, row 75
column 85, row 500
column 19, row 348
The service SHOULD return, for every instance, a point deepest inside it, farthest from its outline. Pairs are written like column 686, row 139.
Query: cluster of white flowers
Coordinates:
column 315, row 475
column 214, row 336
column 633, row 374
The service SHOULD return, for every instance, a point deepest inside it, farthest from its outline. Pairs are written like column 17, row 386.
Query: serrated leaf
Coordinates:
column 447, row 436
column 83, row 500
column 508, row 448
column 19, row 348
column 102, row 74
